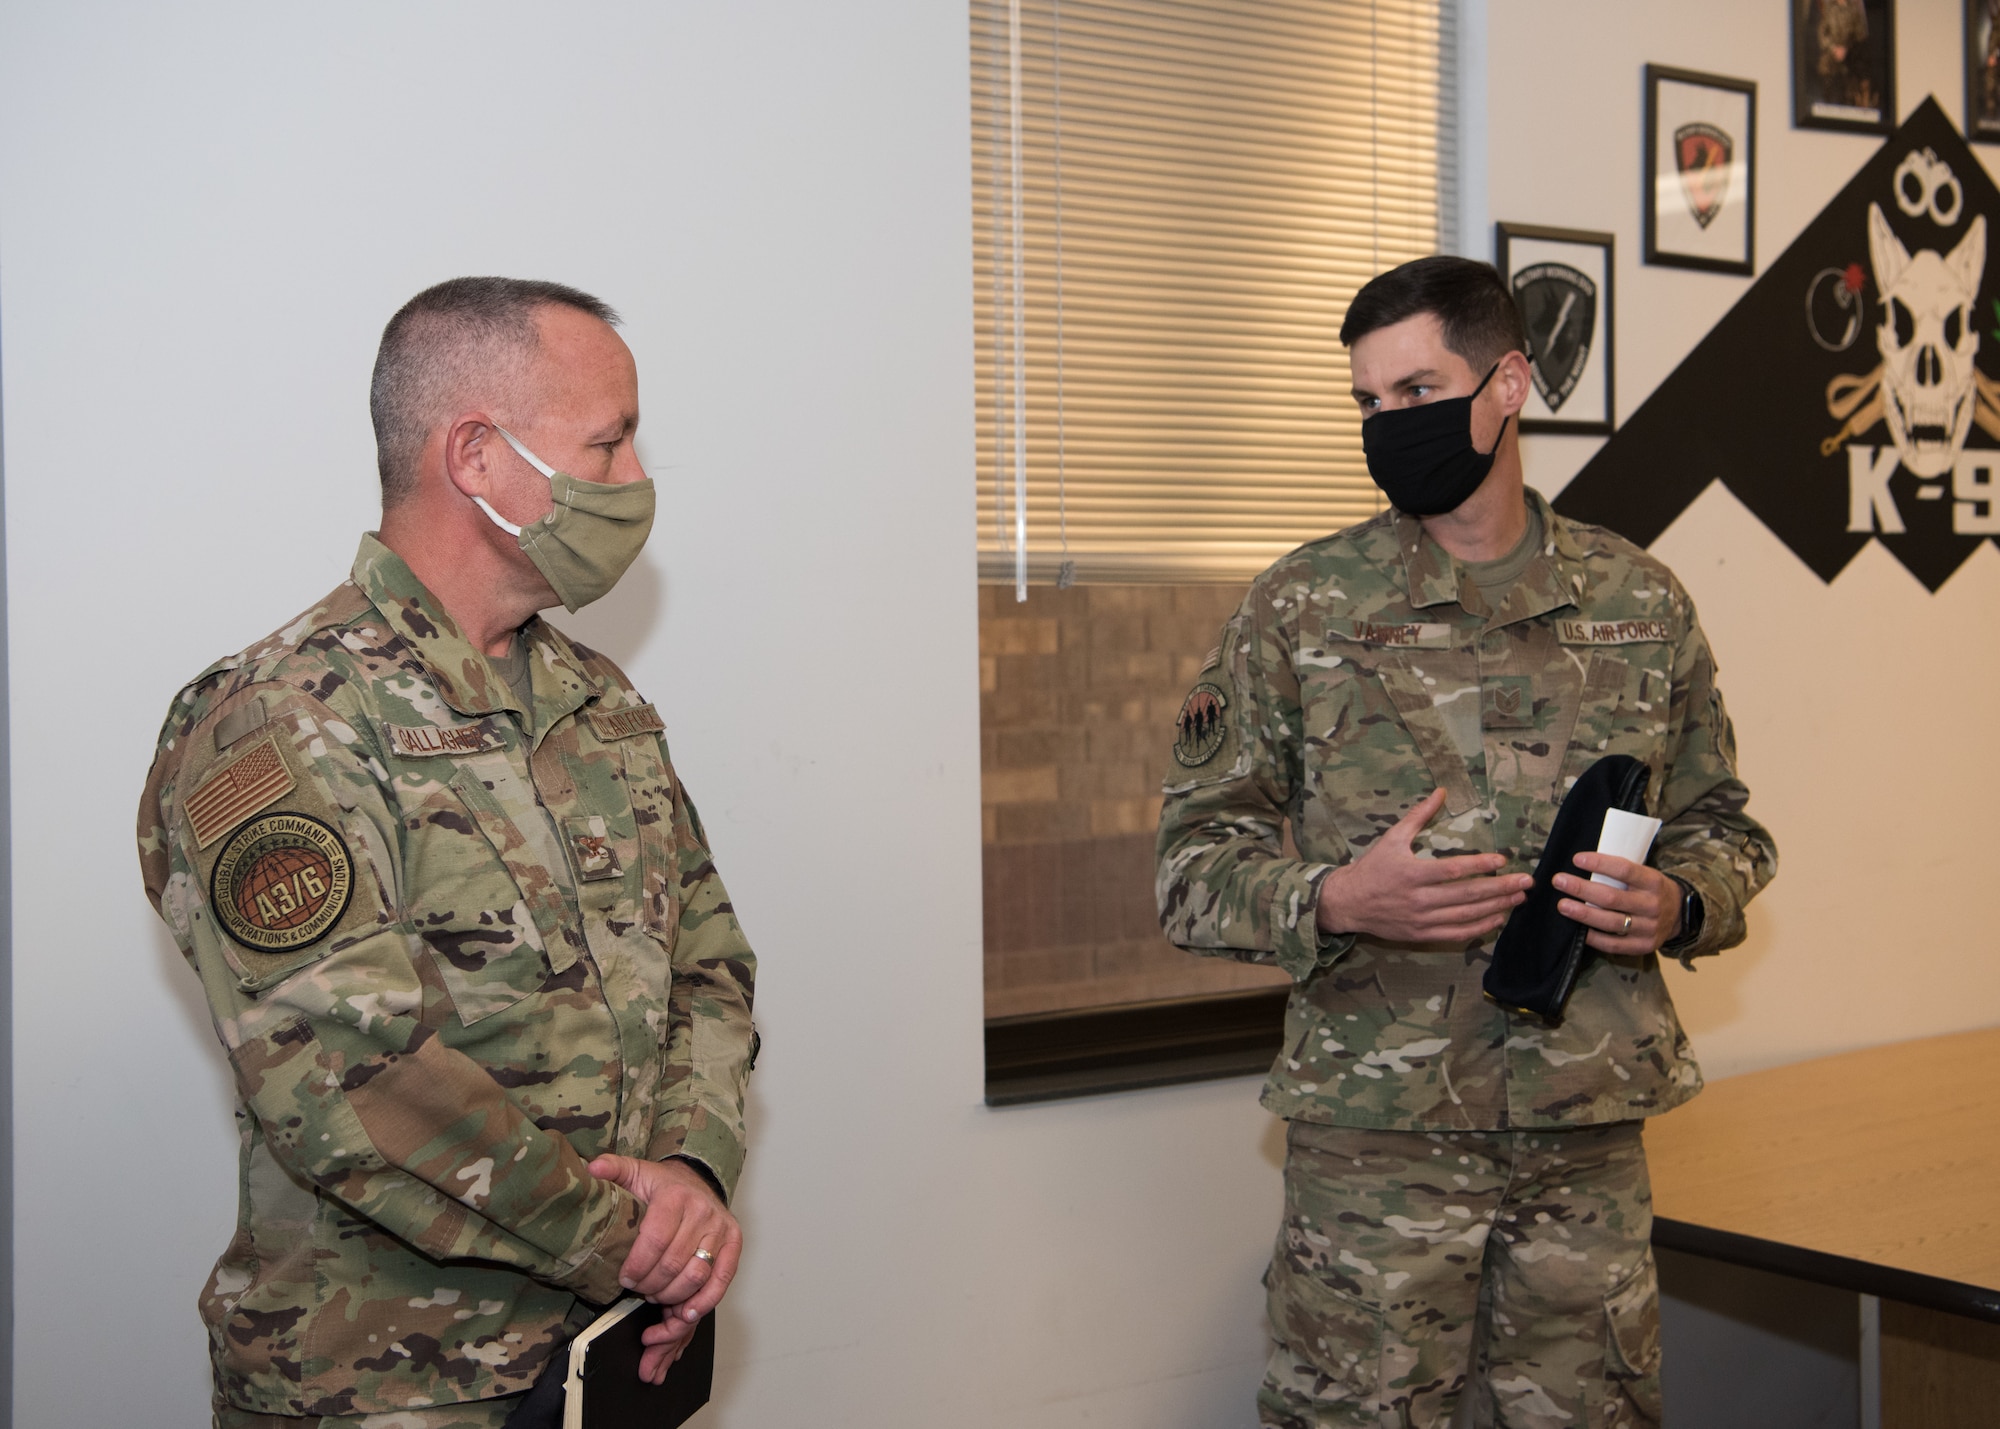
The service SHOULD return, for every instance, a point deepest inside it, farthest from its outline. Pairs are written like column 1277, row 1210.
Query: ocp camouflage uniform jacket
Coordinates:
column 453, row 949
column 1364, row 670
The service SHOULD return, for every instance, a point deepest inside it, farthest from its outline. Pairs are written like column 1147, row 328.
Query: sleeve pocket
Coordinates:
column 650, row 782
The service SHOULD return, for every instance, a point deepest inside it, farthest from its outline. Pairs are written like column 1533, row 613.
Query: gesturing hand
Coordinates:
column 1391, row 893
column 683, row 1215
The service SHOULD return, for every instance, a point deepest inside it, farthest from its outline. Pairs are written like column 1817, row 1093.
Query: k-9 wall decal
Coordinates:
column 1853, row 393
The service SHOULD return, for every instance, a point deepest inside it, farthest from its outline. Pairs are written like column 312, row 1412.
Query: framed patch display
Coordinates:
column 1982, row 70
column 1561, row 280
column 1844, row 65
column 1851, row 396
column 1701, row 171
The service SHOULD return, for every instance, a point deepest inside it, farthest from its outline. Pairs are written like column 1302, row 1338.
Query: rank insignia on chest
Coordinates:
column 281, row 882
column 1509, row 702
column 1200, row 730
column 589, row 839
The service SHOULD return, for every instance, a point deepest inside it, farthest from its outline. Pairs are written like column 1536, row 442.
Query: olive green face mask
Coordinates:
column 591, row 537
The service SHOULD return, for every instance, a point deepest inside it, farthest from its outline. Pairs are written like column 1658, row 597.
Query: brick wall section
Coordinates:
column 1078, row 693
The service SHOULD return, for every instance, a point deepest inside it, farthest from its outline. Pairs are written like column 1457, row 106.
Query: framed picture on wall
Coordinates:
column 1701, row 171
column 1844, row 65
column 1561, row 279
column 1982, row 70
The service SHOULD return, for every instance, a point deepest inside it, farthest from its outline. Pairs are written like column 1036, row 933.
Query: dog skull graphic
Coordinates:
column 1928, row 342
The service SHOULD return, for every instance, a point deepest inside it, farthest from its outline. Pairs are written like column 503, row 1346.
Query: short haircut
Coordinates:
column 1481, row 323
column 466, row 338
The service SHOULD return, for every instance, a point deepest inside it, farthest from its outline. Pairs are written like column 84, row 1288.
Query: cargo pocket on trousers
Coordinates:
column 1632, row 1348
column 1329, row 1343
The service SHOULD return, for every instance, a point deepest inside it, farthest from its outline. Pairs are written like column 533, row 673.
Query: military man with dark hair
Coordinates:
column 485, row 999
column 1466, row 1207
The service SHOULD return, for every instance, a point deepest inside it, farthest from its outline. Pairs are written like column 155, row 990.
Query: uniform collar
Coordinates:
column 465, row 679
column 1553, row 580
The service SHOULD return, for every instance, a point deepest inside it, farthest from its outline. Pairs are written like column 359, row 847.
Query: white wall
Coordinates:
column 206, row 213
column 1865, row 709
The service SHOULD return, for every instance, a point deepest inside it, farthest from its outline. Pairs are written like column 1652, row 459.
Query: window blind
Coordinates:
column 1174, row 204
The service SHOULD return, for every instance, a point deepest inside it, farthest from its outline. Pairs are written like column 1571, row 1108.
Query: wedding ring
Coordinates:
column 1628, row 926
column 704, row 1253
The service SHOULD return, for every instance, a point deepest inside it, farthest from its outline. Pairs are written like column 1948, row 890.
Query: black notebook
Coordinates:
column 1540, row 954
column 604, row 1390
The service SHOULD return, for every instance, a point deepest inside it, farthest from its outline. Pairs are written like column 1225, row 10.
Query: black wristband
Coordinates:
column 1693, row 914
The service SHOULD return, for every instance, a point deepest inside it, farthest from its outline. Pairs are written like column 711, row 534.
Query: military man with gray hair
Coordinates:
column 486, row 1002
column 1467, row 1217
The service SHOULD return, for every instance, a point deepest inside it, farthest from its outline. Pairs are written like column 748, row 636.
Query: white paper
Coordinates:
column 1627, row 836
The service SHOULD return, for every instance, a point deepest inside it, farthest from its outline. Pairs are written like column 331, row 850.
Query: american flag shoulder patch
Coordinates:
column 236, row 789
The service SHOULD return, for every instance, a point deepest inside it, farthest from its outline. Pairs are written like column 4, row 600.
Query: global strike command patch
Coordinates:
column 281, row 882
column 1199, row 731
column 235, row 790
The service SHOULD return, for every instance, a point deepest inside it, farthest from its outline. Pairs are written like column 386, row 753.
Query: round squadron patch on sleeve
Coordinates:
column 281, row 882
column 1200, row 731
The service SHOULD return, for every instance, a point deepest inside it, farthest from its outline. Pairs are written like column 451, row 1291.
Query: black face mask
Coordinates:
column 1422, row 457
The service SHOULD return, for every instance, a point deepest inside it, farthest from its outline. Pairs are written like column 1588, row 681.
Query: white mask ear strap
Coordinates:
column 496, row 518
column 532, row 460
column 536, row 462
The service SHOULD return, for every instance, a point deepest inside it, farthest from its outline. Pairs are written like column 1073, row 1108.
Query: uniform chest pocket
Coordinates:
column 1336, row 695
column 479, row 930
column 483, row 897
column 1357, row 697
column 649, row 781
column 1624, row 709
column 1435, row 696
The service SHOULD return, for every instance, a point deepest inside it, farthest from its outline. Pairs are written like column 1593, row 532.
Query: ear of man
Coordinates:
column 1513, row 380
column 1505, row 393
column 470, row 456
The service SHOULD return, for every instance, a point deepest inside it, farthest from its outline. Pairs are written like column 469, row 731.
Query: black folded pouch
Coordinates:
column 613, row 1393
column 1540, row 953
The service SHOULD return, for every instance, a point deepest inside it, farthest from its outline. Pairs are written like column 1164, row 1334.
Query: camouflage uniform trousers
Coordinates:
column 475, row 1414
column 1512, row 1270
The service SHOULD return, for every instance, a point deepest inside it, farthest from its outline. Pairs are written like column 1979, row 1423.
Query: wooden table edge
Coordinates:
column 1954, row 1297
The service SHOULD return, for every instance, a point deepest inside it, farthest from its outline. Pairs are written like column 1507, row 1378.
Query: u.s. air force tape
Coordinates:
column 281, row 882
